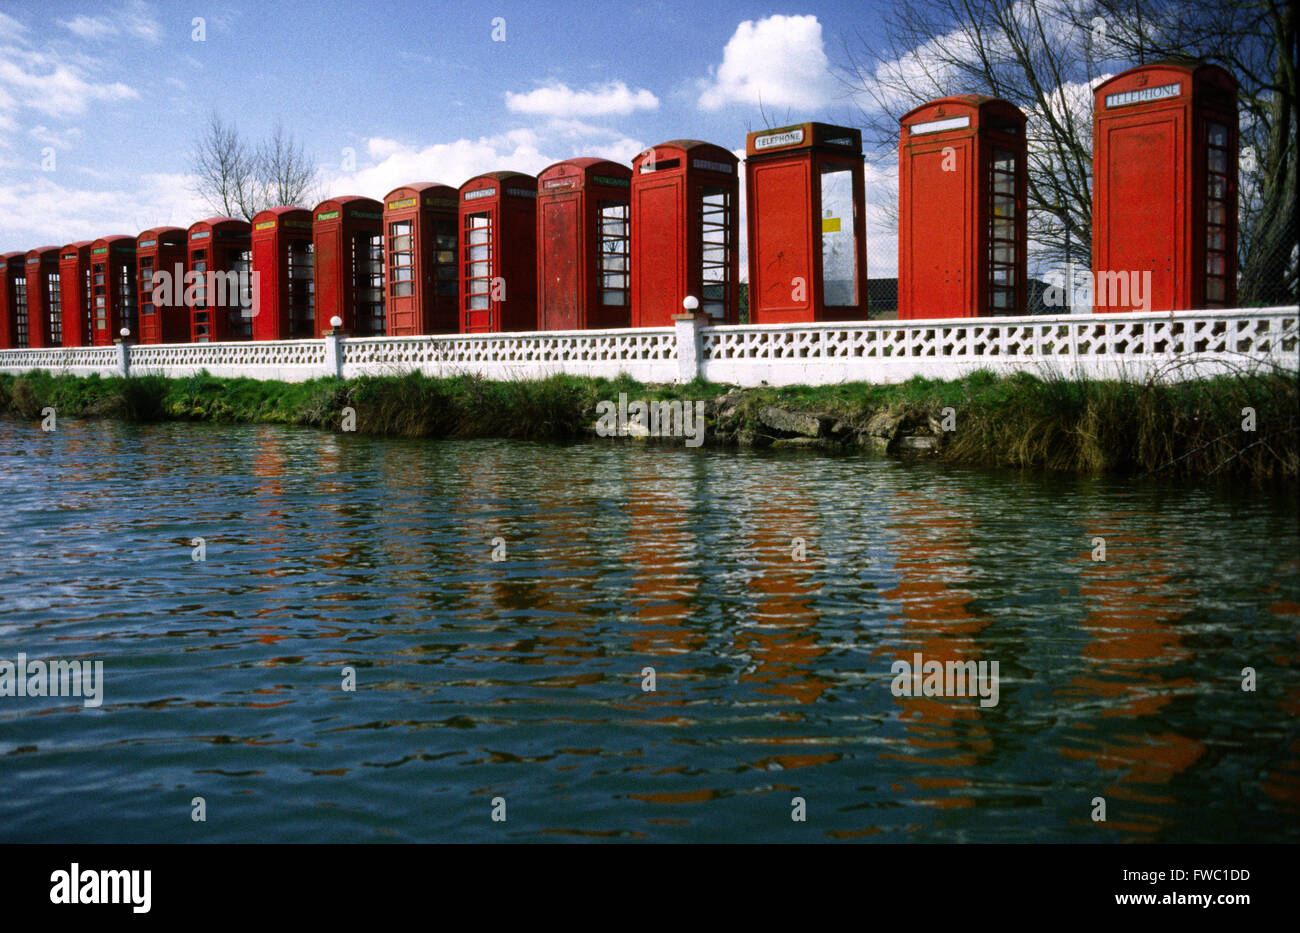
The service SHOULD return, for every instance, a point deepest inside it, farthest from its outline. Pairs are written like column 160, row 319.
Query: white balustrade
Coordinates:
column 1164, row 345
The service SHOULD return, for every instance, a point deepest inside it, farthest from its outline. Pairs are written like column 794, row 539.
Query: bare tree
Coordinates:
column 223, row 168
column 285, row 173
column 238, row 180
column 1026, row 52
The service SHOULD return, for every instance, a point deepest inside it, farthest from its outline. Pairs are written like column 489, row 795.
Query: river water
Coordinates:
column 516, row 686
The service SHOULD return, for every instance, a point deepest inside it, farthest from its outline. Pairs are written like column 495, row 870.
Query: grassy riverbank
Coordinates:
column 1183, row 429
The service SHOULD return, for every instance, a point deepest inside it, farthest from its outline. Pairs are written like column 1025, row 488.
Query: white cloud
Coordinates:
column 394, row 163
column 133, row 20
column 779, row 61
column 60, row 140
column 45, row 210
column 50, row 85
column 11, row 27
column 559, row 100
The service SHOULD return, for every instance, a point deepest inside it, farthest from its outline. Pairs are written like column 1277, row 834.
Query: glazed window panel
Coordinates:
column 239, row 298
column 478, row 261
column 839, row 238
column 715, row 250
column 302, row 290
column 614, row 252
column 56, row 308
column 126, row 300
column 1216, row 214
column 1003, row 216
column 401, row 258
column 20, row 311
column 368, row 282
column 146, row 285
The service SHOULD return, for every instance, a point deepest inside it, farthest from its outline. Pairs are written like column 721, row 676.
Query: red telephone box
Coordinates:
column 162, row 249
column 582, row 245
column 221, row 300
column 13, row 300
column 420, row 222
column 112, row 288
column 74, row 286
column 349, row 265
column 1164, row 189
column 44, row 298
column 283, row 255
column 806, row 224
column 498, row 282
column 684, row 232
column 962, row 244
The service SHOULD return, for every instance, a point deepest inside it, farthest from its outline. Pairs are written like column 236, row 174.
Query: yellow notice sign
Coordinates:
column 830, row 225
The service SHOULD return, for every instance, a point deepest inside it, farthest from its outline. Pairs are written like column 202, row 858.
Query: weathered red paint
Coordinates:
column 74, row 284
column 44, row 298
column 283, row 258
column 498, row 253
column 421, row 226
column 162, row 249
column 582, row 245
column 1164, row 190
column 678, row 189
column 806, row 224
column 219, row 245
column 13, row 300
column 349, row 265
column 962, row 239
column 112, row 289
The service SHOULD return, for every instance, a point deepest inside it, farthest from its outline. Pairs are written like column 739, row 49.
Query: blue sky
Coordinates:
column 100, row 103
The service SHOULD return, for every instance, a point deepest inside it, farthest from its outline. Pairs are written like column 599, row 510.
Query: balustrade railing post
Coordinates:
column 690, row 349
column 123, row 361
column 334, row 339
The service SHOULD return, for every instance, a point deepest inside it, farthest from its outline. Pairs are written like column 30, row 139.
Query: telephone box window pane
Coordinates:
column 401, row 289
column 20, row 311
column 478, row 264
column 56, row 308
column 302, row 290
column 239, row 322
column 146, row 285
column 368, row 283
column 614, row 251
column 839, row 239
column 715, row 250
column 126, row 298
column 1216, row 213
